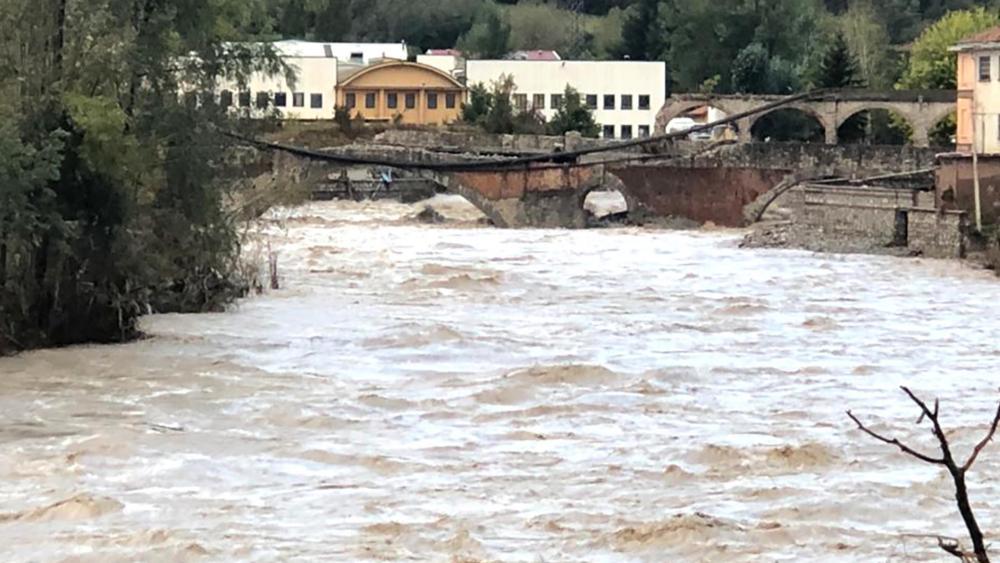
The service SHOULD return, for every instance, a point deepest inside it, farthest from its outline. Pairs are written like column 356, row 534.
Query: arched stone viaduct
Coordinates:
column 922, row 110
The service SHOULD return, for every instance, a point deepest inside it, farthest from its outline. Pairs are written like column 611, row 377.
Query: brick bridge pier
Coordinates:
column 921, row 110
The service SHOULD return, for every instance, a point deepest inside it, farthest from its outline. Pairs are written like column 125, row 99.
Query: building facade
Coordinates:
column 402, row 92
column 312, row 93
column 978, row 108
column 624, row 95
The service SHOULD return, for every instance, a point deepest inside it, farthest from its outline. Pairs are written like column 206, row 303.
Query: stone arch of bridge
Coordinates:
column 677, row 108
column 827, row 122
column 918, row 128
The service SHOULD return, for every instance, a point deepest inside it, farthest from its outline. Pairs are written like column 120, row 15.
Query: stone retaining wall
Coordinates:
column 871, row 219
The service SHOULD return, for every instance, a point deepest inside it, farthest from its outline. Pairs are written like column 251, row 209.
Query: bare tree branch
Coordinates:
column 952, row 546
column 895, row 442
column 979, row 447
column 980, row 553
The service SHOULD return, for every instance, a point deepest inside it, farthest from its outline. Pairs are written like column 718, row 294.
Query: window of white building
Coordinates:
column 538, row 101
column 316, row 101
column 298, row 99
column 626, row 101
column 626, row 132
column 644, row 131
column 984, row 69
column 521, row 102
column 643, row 102
column 556, row 100
column 592, row 101
column 280, row 99
column 609, row 101
column 608, row 132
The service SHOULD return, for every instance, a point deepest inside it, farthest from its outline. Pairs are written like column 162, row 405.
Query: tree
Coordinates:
column 750, row 70
column 642, row 39
column 868, row 40
column 956, row 471
column 839, row 68
column 932, row 66
column 112, row 186
column 493, row 111
column 541, row 26
column 489, row 36
column 573, row 115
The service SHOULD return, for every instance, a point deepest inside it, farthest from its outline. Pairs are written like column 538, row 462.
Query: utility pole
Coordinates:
column 975, row 172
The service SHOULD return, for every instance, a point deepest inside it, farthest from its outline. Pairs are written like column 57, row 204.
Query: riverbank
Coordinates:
column 787, row 234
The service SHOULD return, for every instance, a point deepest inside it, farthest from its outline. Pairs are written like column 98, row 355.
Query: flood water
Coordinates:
column 462, row 393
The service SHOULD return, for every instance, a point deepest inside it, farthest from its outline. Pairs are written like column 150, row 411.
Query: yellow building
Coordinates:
column 978, row 81
column 411, row 93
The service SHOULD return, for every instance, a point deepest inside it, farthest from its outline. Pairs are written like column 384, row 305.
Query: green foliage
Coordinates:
column 839, row 68
column 540, row 26
column 750, row 70
column 755, row 72
column 111, row 186
column 492, row 109
column 573, row 115
column 868, row 40
column 643, row 35
column 931, row 65
column 489, row 36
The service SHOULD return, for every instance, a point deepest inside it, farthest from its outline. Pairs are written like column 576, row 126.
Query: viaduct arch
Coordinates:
column 922, row 110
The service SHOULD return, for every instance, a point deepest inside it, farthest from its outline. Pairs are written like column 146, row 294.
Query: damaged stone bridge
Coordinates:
column 694, row 181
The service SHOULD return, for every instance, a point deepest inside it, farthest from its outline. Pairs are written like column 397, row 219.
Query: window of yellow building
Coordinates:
column 370, row 100
column 351, row 100
column 411, row 100
column 392, row 100
column 449, row 100
column 432, row 100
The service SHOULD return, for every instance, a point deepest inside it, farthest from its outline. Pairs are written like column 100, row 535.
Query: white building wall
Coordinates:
column 593, row 78
column 315, row 77
column 448, row 63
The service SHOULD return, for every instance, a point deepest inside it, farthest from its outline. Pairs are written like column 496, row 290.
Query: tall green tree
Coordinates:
column 868, row 39
column 932, row 66
column 839, row 68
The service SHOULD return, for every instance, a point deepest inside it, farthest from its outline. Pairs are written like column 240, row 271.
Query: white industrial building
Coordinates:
column 624, row 95
column 317, row 67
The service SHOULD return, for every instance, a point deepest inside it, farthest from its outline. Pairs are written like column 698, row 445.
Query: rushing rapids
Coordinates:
column 456, row 392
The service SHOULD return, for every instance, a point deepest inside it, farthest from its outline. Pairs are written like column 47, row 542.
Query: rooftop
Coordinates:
column 444, row 52
column 987, row 38
column 533, row 55
column 343, row 51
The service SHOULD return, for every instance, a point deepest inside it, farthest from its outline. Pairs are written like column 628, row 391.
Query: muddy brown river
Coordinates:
column 462, row 393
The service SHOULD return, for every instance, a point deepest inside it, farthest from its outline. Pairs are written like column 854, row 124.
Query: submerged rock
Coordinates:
column 430, row 215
